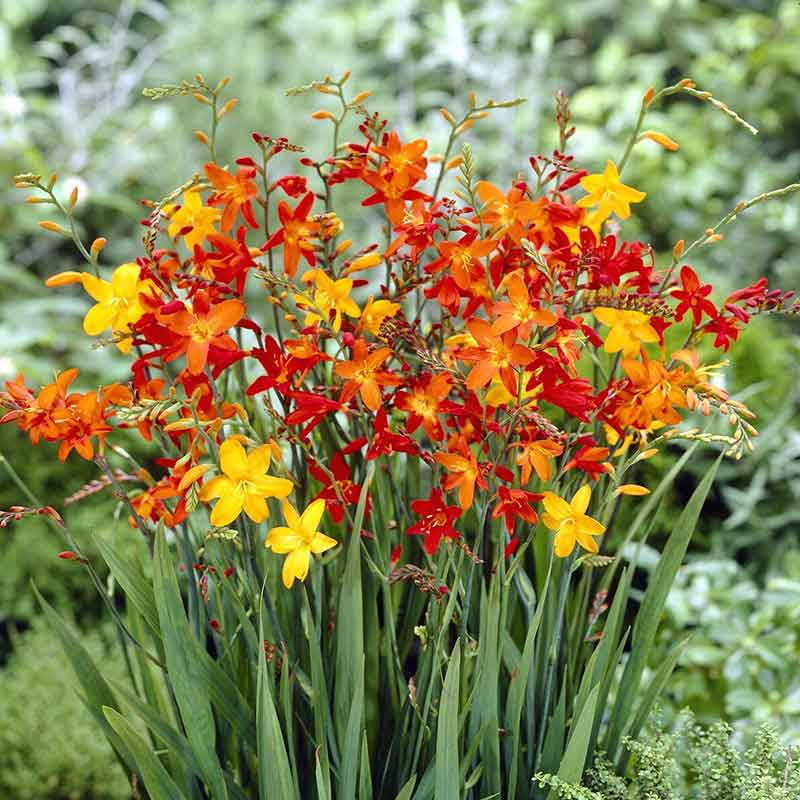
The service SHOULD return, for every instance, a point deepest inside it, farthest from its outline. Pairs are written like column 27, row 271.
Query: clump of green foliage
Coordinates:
column 692, row 762
column 49, row 747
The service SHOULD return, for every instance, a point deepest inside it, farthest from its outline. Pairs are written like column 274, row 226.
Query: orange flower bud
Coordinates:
column 227, row 107
column 73, row 197
column 53, row 227
column 222, row 84
column 341, row 247
column 361, row 97
column 632, row 489
column 63, row 279
column 649, row 95
column 346, row 76
column 364, row 262
column 662, row 139
column 447, row 115
column 453, row 163
column 323, row 115
column 464, row 126
column 201, row 98
column 192, row 475
column 678, row 249
column 648, row 453
column 35, row 199
column 201, row 137
column 325, row 89
column 180, row 425
column 276, row 451
column 97, row 245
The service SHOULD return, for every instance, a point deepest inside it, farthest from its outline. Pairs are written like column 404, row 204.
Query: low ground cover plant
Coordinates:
column 390, row 480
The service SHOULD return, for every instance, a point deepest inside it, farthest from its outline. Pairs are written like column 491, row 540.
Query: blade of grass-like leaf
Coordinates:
column 96, row 689
column 574, row 760
column 446, row 766
column 156, row 780
column 322, row 789
column 274, row 773
column 407, row 790
column 516, row 691
column 350, row 630
column 556, row 731
column 129, row 576
column 348, row 774
column 185, row 664
column 649, row 615
column 365, row 776
column 653, row 690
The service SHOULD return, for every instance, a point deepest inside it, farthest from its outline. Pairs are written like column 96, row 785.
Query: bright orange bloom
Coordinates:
column 296, row 233
column 496, row 355
column 423, row 402
column 651, row 393
column 364, row 376
column 519, row 312
column 204, row 327
column 462, row 258
column 509, row 214
column 464, row 471
column 235, row 192
column 537, row 454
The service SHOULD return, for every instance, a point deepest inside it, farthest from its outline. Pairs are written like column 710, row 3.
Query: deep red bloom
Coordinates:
column 515, row 503
column 693, row 297
column 437, row 520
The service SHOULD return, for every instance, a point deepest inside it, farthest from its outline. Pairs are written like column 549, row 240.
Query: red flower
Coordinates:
column 516, row 503
column 437, row 520
column 693, row 296
column 385, row 441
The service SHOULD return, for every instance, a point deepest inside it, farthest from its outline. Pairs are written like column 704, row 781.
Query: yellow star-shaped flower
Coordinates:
column 612, row 195
column 570, row 522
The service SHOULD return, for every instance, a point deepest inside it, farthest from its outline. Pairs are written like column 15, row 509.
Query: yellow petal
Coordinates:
column 588, row 526
column 632, row 489
column 309, row 522
column 96, row 288
column 580, row 502
column 320, row 543
column 98, row 318
column 233, row 460
column 258, row 460
column 227, row 509
column 282, row 540
column 191, row 475
column 125, row 279
column 556, row 506
column 255, row 507
column 291, row 515
column 296, row 566
column 216, row 487
column 270, row 486
column 564, row 542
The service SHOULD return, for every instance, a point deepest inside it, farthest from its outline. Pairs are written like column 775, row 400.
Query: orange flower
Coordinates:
column 296, row 234
column 204, row 327
column 496, row 355
column 462, row 258
column 537, row 454
column 363, row 375
column 464, row 471
column 423, row 403
column 235, row 192
column 509, row 214
column 519, row 313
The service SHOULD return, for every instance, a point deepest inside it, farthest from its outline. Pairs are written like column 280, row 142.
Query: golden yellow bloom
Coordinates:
column 375, row 312
column 299, row 538
column 628, row 330
column 193, row 214
column 570, row 522
column 329, row 295
column 117, row 305
column 610, row 193
column 244, row 484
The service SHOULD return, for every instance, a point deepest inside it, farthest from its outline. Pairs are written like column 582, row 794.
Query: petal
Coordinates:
column 320, row 543
column 97, row 288
column 371, row 394
column 255, row 506
column 283, row 540
column 226, row 510
column 580, row 502
column 586, row 542
column 97, row 319
column 589, row 526
column 290, row 515
column 309, row 522
column 226, row 314
column 258, row 460
column 216, row 487
column 296, row 566
column 125, row 279
column 565, row 542
column 480, row 375
column 233, row 459
column 270, row 486
column 196, row 356
column 556, row 506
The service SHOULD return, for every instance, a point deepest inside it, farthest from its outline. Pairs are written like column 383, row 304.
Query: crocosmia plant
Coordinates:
column 393, row 487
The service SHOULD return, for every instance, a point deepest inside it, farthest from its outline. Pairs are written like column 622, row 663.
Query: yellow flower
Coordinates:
column 611, row 194
column 628, row 330
column 244, row 484
column 193, row 214
column 329, row 295
column 117, row 305
column 299, row 538
column 375, row 312
column 570, row 522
